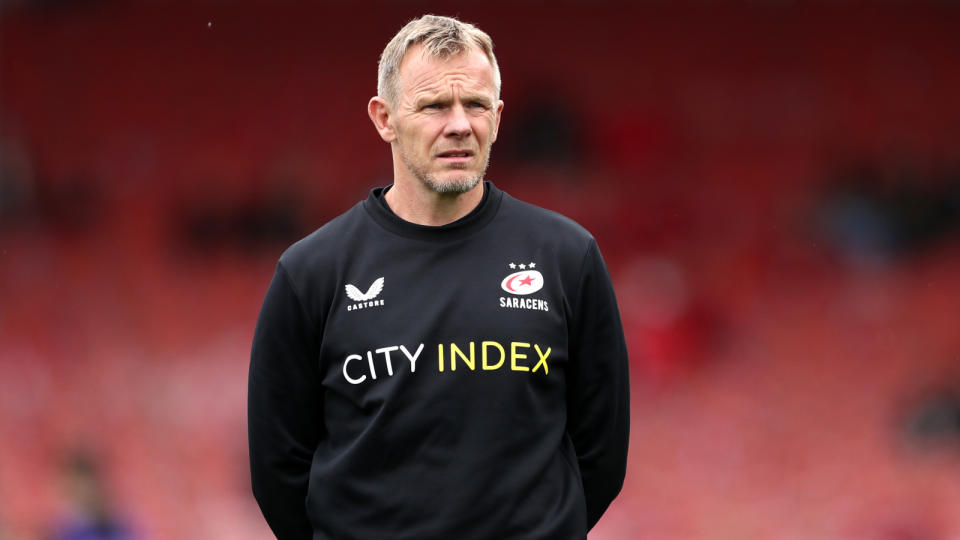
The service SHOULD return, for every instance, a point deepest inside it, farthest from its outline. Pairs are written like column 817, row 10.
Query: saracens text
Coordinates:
column 524, row 303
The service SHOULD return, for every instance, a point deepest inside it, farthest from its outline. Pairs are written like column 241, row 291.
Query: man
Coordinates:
column 442, row 361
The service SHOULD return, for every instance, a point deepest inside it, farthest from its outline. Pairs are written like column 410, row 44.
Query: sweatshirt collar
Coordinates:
column 380, row 211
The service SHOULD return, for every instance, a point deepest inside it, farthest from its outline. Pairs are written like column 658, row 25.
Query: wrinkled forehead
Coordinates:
column 421, row 72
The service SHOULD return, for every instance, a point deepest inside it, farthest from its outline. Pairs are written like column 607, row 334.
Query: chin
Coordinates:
column 457, row 184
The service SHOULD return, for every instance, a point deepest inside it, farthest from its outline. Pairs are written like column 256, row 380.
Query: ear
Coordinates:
column 496, row 125
column 379, row 111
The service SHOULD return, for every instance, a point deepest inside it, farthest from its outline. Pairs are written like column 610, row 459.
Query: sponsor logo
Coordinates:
column 525, row 280
column 477, row 356
column 363, row 300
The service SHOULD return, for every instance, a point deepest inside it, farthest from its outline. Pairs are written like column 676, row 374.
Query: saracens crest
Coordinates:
column 526, row 281
column 523, row 282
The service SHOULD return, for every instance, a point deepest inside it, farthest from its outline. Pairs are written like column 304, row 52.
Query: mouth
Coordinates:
column 456, row 155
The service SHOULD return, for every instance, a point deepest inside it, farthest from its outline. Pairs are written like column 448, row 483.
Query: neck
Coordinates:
column 419, row 204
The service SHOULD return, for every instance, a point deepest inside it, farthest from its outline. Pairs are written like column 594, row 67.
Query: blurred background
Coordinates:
column 775, row 186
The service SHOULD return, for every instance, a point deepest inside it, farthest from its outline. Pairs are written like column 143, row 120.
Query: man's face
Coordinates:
column 446, row 119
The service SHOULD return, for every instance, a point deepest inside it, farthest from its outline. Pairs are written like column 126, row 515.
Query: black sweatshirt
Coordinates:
column 467, row 381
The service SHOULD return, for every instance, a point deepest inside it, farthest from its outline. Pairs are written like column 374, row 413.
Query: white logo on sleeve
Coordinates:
column 526, row 281
column 364, row 299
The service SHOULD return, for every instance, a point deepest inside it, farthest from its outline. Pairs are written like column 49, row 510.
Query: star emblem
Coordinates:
column 532, row 265
column 512, row 266
column 522, row 266
column 526, row 281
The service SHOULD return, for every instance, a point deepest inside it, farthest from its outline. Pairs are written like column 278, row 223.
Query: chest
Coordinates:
column 460, row 316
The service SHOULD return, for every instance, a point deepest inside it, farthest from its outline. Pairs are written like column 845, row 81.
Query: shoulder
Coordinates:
column 325, row 245
column 545, row 223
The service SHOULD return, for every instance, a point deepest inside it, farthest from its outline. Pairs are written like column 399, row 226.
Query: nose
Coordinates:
column 458, row 124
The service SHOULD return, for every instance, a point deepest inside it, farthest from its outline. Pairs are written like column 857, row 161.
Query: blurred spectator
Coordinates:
column 874, row 213
column 934, row 422
column 71, row 203
column 90, row 513
column 546, row 132
column 16, row 180
column 271, row 220
column 262, row 221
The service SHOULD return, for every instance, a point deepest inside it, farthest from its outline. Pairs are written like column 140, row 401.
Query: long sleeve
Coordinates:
column 284, row 408
column 598, row 395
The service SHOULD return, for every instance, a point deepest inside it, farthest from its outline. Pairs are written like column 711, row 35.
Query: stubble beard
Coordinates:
column 436, row 185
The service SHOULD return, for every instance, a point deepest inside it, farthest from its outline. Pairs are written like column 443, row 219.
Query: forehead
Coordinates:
column 422, row 73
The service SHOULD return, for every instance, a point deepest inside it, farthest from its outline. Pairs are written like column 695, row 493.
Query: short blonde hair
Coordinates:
column 441, row 37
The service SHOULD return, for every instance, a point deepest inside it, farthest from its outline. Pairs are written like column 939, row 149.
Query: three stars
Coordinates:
column 522, row 266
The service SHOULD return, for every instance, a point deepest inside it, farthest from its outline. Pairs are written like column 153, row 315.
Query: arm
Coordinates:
column 284, row 412
column 598, row 394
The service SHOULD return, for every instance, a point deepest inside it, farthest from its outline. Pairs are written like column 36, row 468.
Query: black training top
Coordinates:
column 467, row 381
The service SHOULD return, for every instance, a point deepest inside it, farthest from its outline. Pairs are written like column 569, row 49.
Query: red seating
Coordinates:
column 766, row 401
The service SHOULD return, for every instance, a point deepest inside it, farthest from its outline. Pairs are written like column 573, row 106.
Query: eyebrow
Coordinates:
column 485, row 100
column 445, row 97
column 432, row 98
